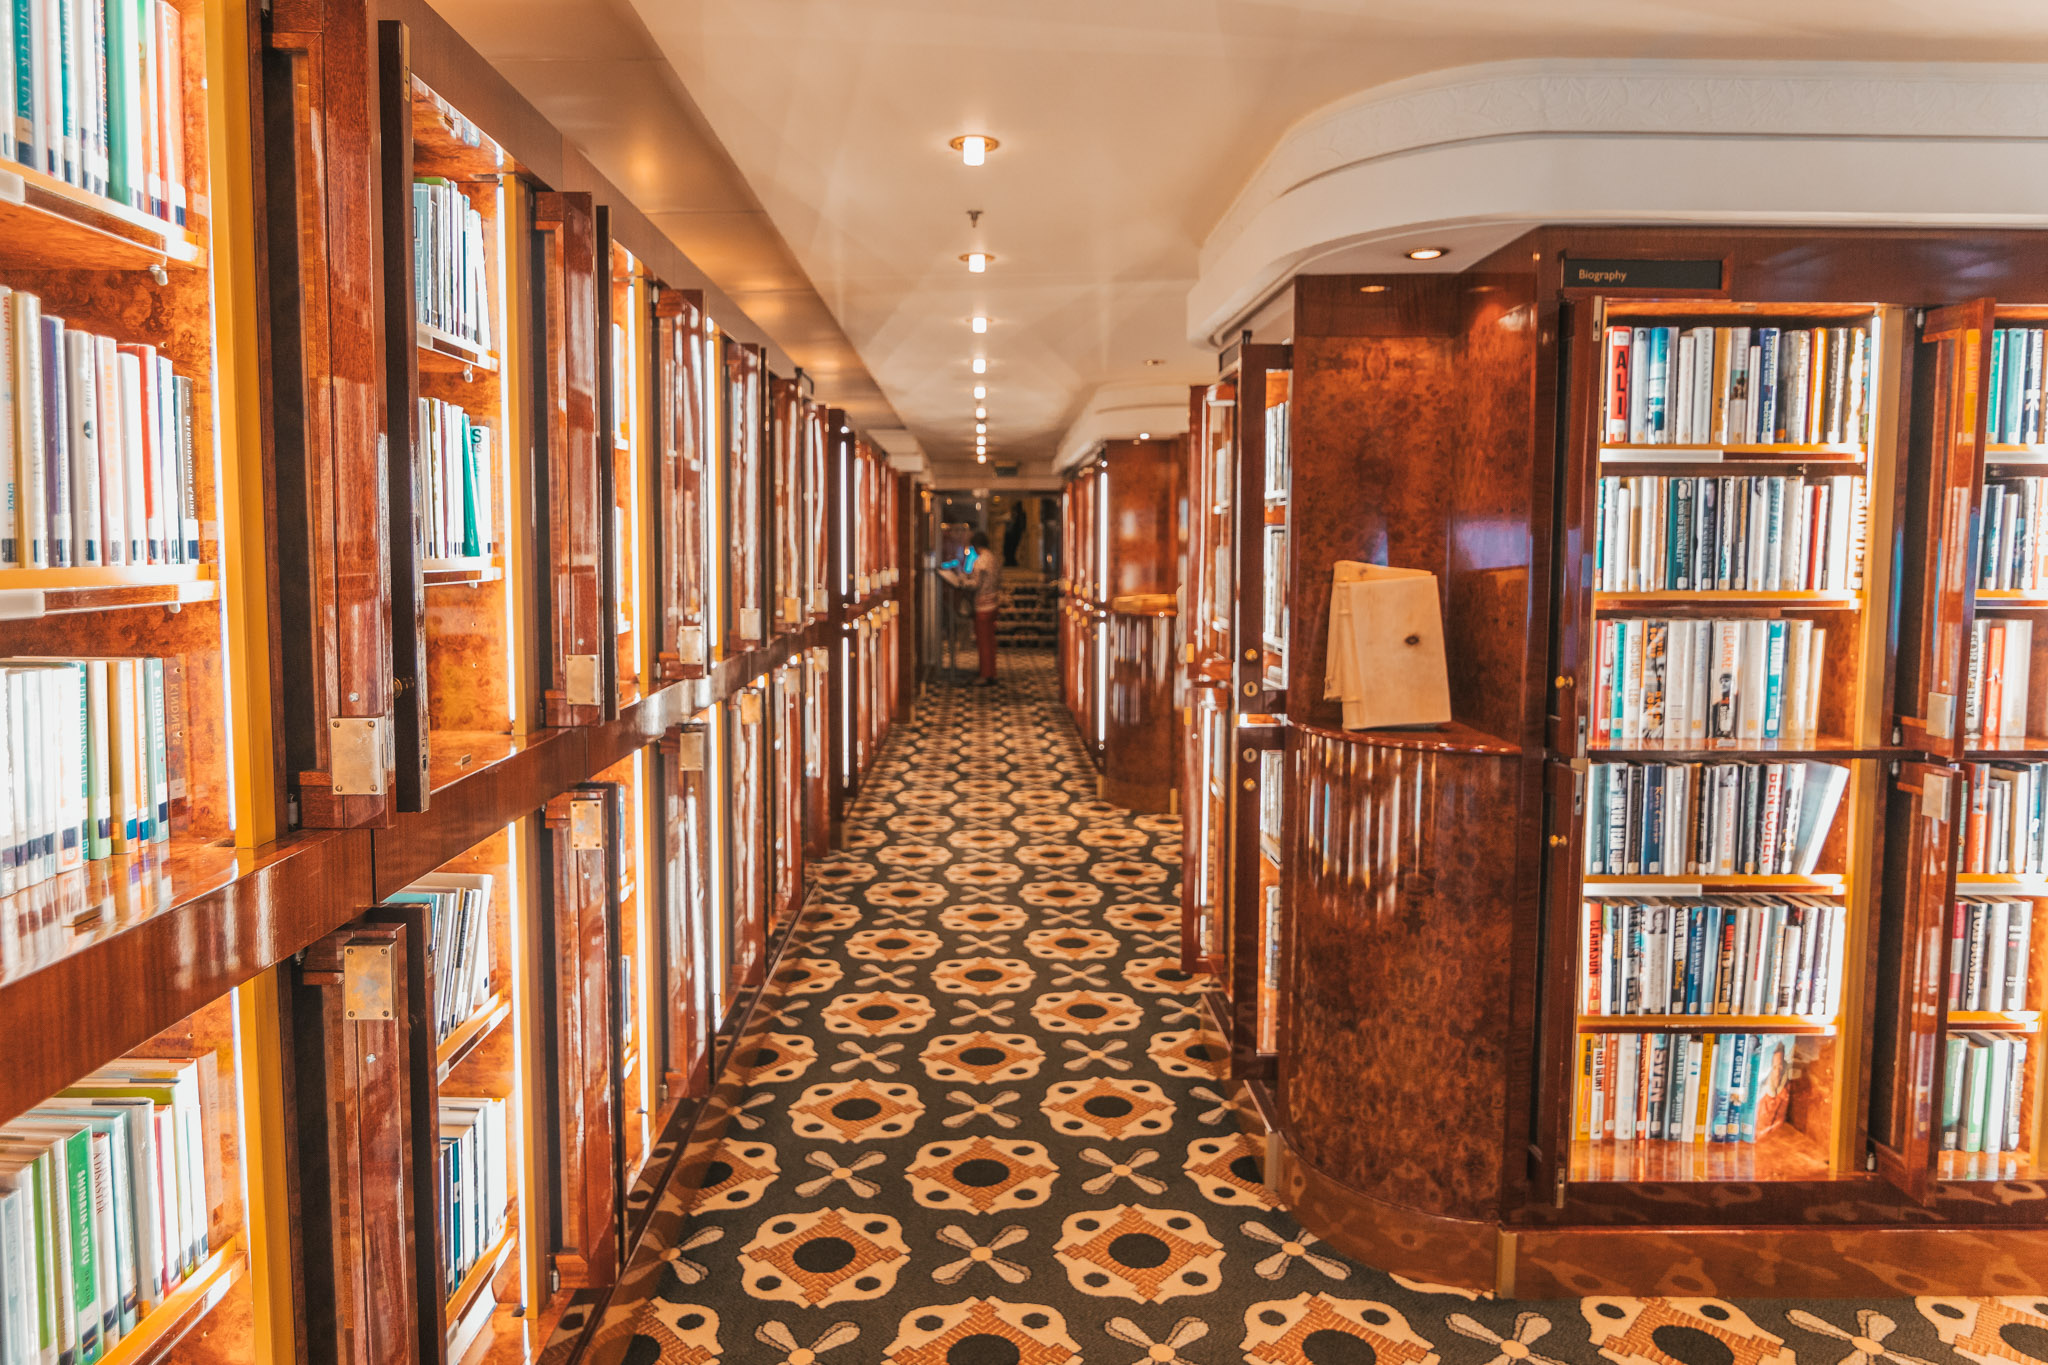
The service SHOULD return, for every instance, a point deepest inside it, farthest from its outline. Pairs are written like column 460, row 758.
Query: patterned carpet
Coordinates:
column 984, row 1127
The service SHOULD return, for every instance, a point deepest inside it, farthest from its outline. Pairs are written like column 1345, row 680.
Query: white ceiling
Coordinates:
column 1127, row 127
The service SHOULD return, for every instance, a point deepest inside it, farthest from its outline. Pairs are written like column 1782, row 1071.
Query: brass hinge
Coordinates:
column 369, row 989
column 586, row 825
column 355, row 755
column 581, row 685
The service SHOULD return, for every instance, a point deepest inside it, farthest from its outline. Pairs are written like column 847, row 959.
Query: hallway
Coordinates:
column 987, row 1126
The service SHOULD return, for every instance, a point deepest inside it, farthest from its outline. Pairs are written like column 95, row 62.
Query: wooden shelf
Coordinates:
column 1783, row 1154
column 1706, row 1023
column 446, row 352
column 479, row 1276
column 156, row 1335
column 2013, row 452
column 65, row 591
column 2024, row 747
column 1815, row 746
column 1825, row 884
column 1733, row 453
column 48, row 225
column 2010, row 598
column 441, row 573
column 468, row 1034
column 1734, row 599
column 1971, row 1167
column 1995, row 1021
column 1732, row 309
column 1992, row 881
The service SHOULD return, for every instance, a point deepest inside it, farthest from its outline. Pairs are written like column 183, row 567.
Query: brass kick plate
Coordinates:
column 368, row 987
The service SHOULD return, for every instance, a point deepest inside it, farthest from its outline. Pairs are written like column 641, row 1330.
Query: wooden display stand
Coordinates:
column 1431, row 875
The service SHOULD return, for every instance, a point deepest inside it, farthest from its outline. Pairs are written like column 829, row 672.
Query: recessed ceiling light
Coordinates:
column 1427, row 253
column 980, row 323
column 981, row 412
column 1144, row 435
column 980, row 427
column 1372, row 289
column 980, row 392
column 1155, row 362
column 974, row 147
column 980, row 365
column 977, row 261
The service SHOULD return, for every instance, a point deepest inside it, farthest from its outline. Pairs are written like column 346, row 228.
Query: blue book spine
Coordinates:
column 1659, row 389
column 1695, row 957
column 23, row 113
column 1994, row 415
column 1653, row 819
column 1774, row 679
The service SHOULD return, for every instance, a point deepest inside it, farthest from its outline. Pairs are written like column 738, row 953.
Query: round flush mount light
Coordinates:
column 980, row 413
column 980, row 392
column 977, row 261
column 1427, row 253
column 974, row 147
column 1144, row 435
column 980, row 428
column 980, row 365
column 980, row 323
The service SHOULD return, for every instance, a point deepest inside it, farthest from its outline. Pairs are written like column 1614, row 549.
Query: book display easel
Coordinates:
column 422, row 799
column 1728, row 861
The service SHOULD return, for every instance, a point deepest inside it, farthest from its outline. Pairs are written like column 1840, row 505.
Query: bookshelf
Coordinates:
column 743, row 410
column 788, row 432
column 1085, row 600
column 382, row 731
column 1729, row 690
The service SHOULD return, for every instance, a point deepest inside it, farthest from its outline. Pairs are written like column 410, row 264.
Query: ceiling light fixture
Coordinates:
column 974, row 147
column 981, row 458
column 980, row 323
column 980, row 365
column 977, row 261
column 980, row 413
column 1154, row 362
column 980, row 427
column 980, row 392
column 1144, row 435
column 1427, row 253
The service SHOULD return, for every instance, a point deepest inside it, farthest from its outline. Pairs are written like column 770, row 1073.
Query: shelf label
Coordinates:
column 1611, row 275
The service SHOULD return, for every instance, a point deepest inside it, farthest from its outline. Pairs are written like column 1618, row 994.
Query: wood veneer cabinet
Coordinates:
column 1453, row 874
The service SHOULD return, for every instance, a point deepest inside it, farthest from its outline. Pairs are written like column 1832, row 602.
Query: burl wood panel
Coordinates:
column 1386, row 1236
column 578, row 513
column 1140, row 755
column 1401, row 896
column 355, row 1218
column 1413, row 448
column 1143, row 516
column 583, row 1055
column 327, row 387
column 681, row 361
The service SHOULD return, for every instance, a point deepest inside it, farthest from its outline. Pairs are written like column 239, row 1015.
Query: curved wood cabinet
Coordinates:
column 1139, row 760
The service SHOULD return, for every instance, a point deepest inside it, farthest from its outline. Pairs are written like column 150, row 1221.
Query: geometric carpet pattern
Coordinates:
column 984, row 1126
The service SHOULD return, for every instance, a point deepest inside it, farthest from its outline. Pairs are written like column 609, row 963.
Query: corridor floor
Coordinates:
column 987, row 1129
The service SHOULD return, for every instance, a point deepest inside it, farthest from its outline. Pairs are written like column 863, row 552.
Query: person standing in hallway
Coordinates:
column 984, row 580
column 1013, row 533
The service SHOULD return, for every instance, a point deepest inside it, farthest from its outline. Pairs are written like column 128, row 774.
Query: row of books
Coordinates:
column 1738, row 955
column 1988, row 954
column 448, row 261
column 1983, row 1090
column 1279, row 449
column 2005, row 827
column 104, row 1209
column 459, row 925
column 475, row 1181
column 2012, row 552
column 87, row 762
column 1683, row 1087
column 1737, row 385
column 1995, row 689
column 1710, row 819
column 1273, row 624
column 1685, row 682
column 96, row 447
column 1759, row 533
column 93, row 93
column 455, row 473
column 2012, row 400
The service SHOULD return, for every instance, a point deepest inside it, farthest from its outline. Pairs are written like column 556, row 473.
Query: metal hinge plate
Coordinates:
column 690, row 644
column 750, row 623
column 580, row 681
column 355, row 755
column 369, row 988
column 690, row 752
column 586, row 825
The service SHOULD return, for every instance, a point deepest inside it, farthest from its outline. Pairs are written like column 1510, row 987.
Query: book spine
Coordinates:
column 1620, row 341
column 56, row 440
